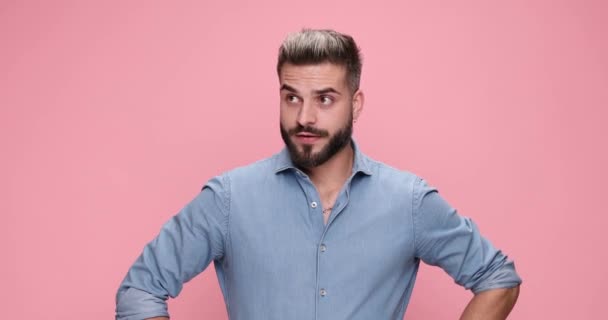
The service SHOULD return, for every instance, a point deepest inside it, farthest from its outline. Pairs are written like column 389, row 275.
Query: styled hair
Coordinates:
column 311, row 46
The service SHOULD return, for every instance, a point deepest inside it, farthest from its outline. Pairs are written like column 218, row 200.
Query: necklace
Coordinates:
column 326, row 211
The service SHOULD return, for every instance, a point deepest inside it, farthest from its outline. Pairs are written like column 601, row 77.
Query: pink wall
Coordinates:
column 113, row 115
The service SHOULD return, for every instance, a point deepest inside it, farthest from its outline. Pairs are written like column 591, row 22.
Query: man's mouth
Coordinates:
column 307, row 135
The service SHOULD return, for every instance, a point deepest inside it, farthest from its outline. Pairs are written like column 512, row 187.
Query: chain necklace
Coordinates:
column 328, row 210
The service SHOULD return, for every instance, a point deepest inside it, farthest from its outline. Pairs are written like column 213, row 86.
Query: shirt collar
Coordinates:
column 360, row 163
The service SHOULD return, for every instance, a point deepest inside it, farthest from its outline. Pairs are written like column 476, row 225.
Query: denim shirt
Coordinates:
column 275, row 258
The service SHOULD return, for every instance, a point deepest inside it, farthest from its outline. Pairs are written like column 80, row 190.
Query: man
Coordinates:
column 319, row 230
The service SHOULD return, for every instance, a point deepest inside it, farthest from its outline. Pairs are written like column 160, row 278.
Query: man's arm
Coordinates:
column 184, row 247
column 493, row 304
column 444, row 238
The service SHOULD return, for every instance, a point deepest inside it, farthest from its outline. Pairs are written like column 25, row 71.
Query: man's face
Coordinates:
column 317, row 111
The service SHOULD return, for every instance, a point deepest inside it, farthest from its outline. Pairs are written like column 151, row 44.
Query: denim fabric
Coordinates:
column 275, row 258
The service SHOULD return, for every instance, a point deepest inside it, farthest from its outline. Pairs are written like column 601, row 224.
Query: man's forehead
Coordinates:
column 313, row 76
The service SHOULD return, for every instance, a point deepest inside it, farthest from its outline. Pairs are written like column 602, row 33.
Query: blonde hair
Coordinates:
column 311, row 46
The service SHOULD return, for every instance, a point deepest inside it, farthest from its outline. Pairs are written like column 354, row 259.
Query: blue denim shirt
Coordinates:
column 275, row 258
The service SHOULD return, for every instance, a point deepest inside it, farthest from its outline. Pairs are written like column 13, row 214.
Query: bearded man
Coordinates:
column 319, row 230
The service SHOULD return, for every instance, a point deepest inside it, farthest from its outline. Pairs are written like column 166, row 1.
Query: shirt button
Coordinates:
column 323, row 247
column 323, row 292
column 313, row 204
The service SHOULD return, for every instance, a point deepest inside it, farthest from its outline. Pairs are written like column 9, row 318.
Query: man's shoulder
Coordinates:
column 386, row 173
column 254, row 170
column 389, row 182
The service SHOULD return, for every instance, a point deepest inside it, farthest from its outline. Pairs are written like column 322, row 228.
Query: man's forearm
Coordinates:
column 491, row 305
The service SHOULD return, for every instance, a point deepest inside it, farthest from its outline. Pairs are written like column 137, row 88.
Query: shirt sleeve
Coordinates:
column 444, row 238
column 184, row 247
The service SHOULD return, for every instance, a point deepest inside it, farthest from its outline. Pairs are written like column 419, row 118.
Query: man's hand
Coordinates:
column 491, row 305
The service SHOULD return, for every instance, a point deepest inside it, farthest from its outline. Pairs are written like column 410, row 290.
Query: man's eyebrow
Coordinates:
column 327, row 90
column 318, row 92
column 288, row 88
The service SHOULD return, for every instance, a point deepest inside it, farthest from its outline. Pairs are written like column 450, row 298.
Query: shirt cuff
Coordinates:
column 504, row 277
column 135, row 304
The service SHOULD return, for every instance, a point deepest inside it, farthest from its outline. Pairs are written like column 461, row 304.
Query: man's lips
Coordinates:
column 306, row 137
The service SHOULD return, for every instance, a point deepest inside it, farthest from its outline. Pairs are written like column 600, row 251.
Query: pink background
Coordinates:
column 114, row 114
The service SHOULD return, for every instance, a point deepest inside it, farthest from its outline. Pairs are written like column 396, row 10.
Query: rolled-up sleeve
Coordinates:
column 184, row 247
column 444, row 238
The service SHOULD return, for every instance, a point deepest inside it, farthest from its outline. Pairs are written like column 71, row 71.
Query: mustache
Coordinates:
column 308, row 129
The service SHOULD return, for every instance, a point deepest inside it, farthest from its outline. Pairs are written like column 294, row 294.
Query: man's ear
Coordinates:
column 358, row 100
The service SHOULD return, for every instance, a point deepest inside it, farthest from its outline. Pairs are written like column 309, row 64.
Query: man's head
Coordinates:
column 319, row 72
column 317, row 46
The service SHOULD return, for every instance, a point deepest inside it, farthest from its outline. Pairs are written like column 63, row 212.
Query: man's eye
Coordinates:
column 293, row 99
column 326, row 100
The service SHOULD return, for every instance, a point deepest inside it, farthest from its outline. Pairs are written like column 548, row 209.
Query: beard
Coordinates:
column 306, row 158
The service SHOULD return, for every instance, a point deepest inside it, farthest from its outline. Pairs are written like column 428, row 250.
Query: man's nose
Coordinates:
column 307, row 114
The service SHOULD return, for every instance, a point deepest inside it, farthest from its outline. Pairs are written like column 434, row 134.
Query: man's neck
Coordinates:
column 332, row 174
